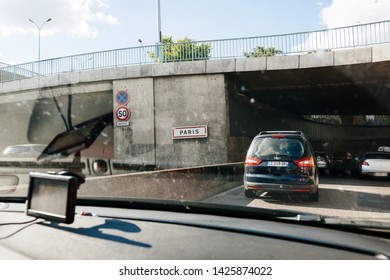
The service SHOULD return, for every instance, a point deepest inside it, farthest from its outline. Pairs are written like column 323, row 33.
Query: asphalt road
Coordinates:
column 341, row 197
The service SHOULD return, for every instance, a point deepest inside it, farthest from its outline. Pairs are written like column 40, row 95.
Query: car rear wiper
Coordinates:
column 283, row 155
column 276, row 155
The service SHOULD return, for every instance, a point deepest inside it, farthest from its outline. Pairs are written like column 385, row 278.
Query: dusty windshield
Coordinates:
column 175, row 119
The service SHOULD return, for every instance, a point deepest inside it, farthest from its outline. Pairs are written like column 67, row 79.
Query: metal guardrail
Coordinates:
column 285, row 44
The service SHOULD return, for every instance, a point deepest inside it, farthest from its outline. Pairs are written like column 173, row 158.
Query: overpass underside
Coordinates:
column 345, row 108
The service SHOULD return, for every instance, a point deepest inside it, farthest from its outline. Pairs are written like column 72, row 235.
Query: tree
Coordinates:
column 182, row 50
column 262, row 52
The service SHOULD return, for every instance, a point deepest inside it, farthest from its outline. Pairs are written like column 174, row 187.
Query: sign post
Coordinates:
column 122, row 112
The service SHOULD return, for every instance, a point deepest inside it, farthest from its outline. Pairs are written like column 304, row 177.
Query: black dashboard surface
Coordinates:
column 112, row 233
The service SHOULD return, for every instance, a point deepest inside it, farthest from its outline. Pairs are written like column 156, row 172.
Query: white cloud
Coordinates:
column 349, row 12
column 73, row 17
column 343, row 13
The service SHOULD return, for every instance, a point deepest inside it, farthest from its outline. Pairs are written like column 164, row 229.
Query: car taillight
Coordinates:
column 252, row 161
column 365, row 163
column 305, row 162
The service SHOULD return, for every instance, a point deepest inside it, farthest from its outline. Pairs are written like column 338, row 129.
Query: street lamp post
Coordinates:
column 159, row 36
column 39, row 35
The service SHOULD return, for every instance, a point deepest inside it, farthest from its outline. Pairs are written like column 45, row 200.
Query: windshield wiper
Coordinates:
column 196, row 207
column 362, row 224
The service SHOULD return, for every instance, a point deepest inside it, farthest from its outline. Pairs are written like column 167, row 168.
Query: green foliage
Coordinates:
column 182, row 50
column 262, row 52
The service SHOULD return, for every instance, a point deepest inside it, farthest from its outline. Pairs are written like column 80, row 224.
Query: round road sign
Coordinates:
column 122, row 97
column 122, row 113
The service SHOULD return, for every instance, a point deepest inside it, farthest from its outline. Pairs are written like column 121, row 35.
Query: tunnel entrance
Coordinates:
column 338, row 108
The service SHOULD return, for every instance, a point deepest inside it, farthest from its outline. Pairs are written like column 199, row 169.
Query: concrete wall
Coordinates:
column 186, row 101
column 244, row 118
column 134, row 143
column 158, row 105
column 367, row 54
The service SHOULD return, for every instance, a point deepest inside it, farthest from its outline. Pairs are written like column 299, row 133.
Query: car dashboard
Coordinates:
column 118, row 233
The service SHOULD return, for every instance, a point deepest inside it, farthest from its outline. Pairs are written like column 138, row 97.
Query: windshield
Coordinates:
column 179, row 120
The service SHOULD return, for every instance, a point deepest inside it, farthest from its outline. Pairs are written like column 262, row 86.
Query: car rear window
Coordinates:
column 291, row 147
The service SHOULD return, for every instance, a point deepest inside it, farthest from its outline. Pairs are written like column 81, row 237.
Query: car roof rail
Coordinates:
column 281, row 132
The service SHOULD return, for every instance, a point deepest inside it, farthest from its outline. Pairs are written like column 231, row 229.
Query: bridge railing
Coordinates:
column 285, row 44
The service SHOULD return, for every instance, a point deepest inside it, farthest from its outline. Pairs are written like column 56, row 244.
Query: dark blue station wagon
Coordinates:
column 281, row 161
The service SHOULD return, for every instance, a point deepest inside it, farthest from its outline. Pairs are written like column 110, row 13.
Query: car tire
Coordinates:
column 250, row 193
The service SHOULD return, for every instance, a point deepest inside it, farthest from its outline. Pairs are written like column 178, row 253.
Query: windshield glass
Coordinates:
column 180, row 120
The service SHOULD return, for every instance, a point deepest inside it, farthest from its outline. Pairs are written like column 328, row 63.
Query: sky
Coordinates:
column 83, row 26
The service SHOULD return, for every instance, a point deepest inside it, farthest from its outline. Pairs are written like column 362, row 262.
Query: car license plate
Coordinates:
column 277, row 163
column 380, row 174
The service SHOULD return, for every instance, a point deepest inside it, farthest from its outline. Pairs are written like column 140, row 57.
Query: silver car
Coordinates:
column 323, row 162
column 375, row 164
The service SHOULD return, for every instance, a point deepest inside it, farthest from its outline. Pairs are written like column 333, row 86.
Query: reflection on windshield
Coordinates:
column 185, row 137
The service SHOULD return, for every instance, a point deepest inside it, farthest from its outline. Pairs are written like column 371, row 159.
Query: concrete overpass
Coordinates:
column 230, row 100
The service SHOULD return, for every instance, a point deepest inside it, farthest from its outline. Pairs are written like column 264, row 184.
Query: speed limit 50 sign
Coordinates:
column 122, row 113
